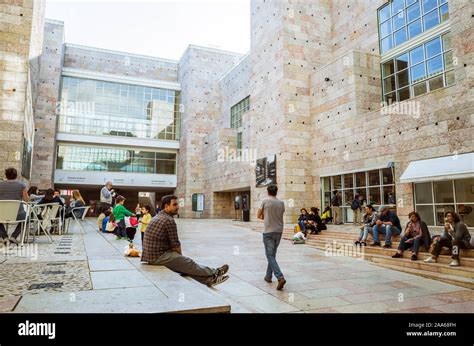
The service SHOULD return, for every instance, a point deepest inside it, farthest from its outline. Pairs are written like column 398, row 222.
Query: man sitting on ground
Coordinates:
column 161, row 246
column 387, row 223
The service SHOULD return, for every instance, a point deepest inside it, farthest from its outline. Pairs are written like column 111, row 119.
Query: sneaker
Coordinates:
column 218, row 279
column 281, row 283
column 387, row 246
column 363, row 243
column 414, row 257
column 357, row 243
column 397, row 255
column 268, row 280
column 375, row 244
column 118, row 238
column 13, row 241
column 454, row 263
column 431, row 259
column 222, row 270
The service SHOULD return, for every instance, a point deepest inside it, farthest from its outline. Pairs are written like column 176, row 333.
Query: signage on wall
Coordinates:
column 198, row 202
column 265, row 171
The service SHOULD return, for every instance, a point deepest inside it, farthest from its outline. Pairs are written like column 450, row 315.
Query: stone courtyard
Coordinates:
column 88, row 273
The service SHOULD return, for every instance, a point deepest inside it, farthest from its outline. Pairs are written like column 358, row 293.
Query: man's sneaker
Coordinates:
column 218, row 279
column 397, row 255
column 268, row 280
column 13, row 241
column 414, row 257
column 281, row 283
column 454, row 263
column 222, row 270
column 430, row 259
column 118, row 238
column 375, row 244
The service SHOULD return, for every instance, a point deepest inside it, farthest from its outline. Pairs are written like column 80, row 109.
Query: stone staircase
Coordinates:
column 345, row 236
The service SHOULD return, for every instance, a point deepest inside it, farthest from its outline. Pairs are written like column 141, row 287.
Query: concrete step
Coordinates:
column 467, row 272
column 450, row 279
column 422, row 255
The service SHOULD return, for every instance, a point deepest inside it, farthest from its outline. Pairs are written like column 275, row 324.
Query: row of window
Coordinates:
column 375, row 186
column 85, row 158
column 237, row 111
column 424, row 68
column 434, row 199
column 107, row 108
column 402, row 20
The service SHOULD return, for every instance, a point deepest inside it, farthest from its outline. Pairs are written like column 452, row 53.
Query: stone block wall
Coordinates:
column 20, row 44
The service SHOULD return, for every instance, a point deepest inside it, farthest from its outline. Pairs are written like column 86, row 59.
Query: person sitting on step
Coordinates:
column 455, row 236
column 326, row 215
column 387, row 223
column 369, row 218
column 316, row 223
column 303, row 221
column 416, row 234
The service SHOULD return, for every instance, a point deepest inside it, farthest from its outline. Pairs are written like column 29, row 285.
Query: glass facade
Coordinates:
column 434, row 199
column 422, row 69
column 237, row 111
column 97, row 107
column 402, row 20
column 87, row 158
column 377, row 187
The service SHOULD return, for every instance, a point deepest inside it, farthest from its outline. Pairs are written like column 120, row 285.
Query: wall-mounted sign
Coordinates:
column 265, row 171
column 198, row 202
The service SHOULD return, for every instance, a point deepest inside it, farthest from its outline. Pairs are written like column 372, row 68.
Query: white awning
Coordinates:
column 442, row 168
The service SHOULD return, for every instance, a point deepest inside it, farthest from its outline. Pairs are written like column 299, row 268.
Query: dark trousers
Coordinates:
column 454, row 244
column 143, row 234
column 414, row 245
column 121, row 230
column 131, row 231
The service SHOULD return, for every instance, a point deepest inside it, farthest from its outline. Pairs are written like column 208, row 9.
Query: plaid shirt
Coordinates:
column 161, row 236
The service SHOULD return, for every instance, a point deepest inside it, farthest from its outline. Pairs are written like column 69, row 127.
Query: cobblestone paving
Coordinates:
column 41, row 266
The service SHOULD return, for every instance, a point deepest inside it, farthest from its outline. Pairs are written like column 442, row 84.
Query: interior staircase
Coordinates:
column 461, row 276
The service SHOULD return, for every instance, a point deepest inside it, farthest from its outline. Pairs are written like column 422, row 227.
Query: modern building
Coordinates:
column 362, row 97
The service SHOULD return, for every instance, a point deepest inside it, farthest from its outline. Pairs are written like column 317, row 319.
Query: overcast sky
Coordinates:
column 161, row 28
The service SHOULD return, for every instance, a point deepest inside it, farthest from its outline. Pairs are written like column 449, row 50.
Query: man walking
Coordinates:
column 336, row 208
column 161, row 246
column 271, row 211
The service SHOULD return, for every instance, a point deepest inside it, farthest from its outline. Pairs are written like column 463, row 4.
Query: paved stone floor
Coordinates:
column 316, row 282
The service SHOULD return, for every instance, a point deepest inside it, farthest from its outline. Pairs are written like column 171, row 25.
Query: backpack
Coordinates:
column 355, row 204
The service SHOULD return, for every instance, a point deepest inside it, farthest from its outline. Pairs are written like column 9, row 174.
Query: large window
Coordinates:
column 377, row 187
column 86, row 158
column 237, row 111
column 434, row 199
column 402, row 20
column 104, row 108
column 422, row 69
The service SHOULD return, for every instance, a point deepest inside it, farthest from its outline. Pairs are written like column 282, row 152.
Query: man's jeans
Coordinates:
column 388, row 230
column 271, row 242
column 20, row 217
column 185, row 265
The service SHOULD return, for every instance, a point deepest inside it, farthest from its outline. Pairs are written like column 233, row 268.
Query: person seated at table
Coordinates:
column 49, row 198
column 34, row 194
column 12, row 189
column 76, row 202
column 456, row 236
column 326, row 215
column 416, row 234
column 57, row 193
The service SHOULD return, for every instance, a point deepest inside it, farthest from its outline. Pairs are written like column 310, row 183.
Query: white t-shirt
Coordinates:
column 298, row 236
